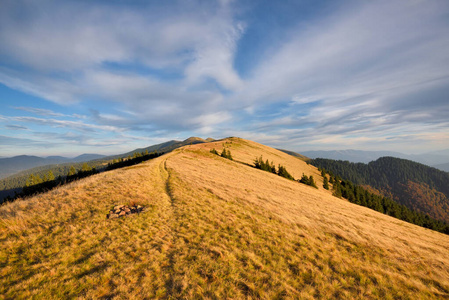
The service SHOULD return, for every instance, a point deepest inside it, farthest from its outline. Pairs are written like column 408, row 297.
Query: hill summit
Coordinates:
column 213, row 228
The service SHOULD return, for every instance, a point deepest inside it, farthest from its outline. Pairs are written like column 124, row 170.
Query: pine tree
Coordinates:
column 38, row 179
column 30, row 181
column 229, row 155
column 257, row 162
column 304, row 179
column 282, row 171
column 72, row 171
column 50, row 176
column 325, row 183
column 312, row 182
column 224, row 153
column 337, row 191
column 85, row 168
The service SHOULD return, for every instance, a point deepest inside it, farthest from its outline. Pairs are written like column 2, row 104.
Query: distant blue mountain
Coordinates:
column 352, row 155
column 437, row 159
column 87, row 157
column 12, row 165
column 442, row 167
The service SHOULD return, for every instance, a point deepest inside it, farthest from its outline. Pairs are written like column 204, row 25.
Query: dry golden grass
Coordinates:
column 214, row 228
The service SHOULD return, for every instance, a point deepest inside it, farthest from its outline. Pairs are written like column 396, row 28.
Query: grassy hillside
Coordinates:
column 14, row 183
column 213, row 228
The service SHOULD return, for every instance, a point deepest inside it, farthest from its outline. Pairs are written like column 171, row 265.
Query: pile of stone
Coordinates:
column 123, row 210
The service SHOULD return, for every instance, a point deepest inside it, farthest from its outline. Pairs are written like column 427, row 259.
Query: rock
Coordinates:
column 123, row 210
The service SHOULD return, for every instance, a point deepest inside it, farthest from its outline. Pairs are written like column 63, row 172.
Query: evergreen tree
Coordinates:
column 325, row 183
column 229, row 155
column 304, row 179
column 72, row 171
column 257, row 162
column 224, row 153
column 30, row 181
column 312, row 182
column 38, row 179
column 50, row 176
column 282, row 171
column 85, row 168
column 337, row 190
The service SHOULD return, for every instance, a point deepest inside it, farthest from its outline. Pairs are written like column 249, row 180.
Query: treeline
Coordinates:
column 259, row 163
column 131, row 160
column 36, row 184
column 387, row 171
column 358, row 195
column 19, row 180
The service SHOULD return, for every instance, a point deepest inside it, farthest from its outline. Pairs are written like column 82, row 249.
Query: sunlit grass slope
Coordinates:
column 214, row 228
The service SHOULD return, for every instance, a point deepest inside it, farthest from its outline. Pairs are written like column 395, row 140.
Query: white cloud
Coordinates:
column 370, row 49
column 365, row 68
column 76, row 125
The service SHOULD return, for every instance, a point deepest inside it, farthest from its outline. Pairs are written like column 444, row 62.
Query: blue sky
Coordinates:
column 110, row 76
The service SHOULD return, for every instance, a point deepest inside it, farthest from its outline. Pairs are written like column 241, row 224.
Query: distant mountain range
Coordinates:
column 436, row 159
column 442, row 167
column 14, row 171
column 12, row 165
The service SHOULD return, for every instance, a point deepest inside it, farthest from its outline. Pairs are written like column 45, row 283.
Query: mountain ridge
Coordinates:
column 13, row 183
column 430, row 158
column 13, row 165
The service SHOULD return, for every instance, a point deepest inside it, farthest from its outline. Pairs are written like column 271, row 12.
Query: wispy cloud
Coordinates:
column 16, row 127
column 355, row 73
column 76, row 125
column 39, row 111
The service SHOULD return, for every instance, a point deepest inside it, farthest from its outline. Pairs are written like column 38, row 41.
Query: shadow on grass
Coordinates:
column 93, row 270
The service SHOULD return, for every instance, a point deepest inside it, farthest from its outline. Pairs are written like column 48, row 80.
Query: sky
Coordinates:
column 111, row 76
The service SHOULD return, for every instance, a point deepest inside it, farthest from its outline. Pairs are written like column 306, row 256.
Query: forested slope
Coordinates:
column 415, row 185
